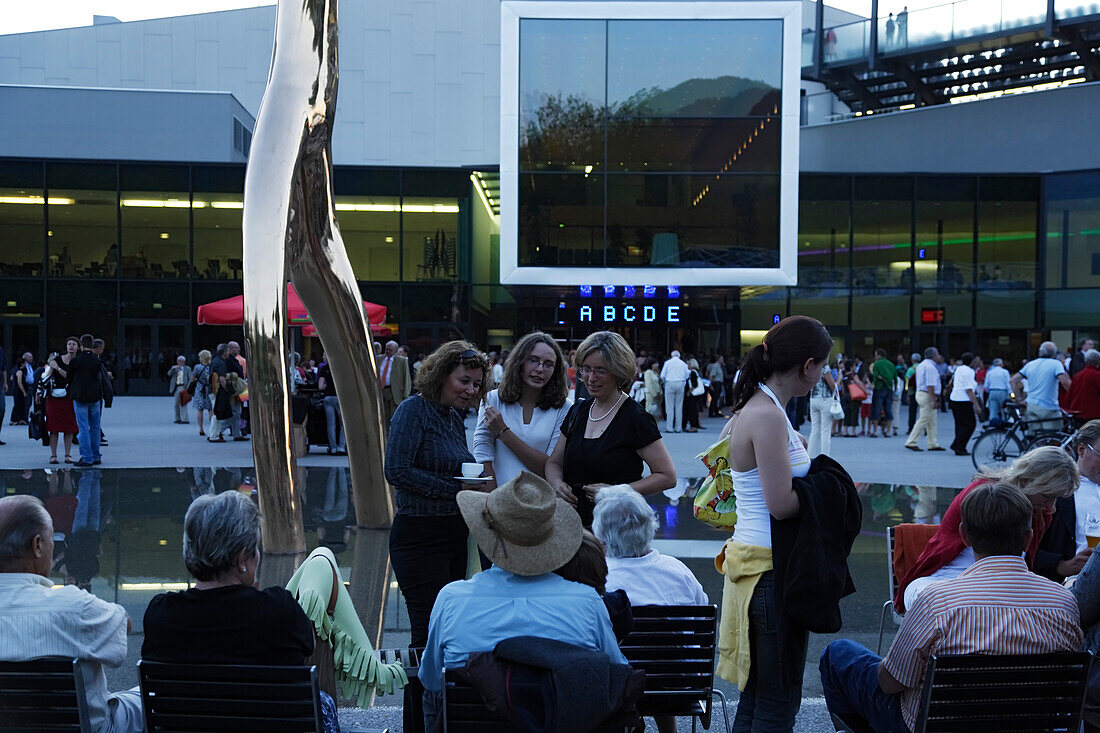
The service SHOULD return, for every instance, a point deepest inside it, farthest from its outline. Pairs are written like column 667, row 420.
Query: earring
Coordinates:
column 244, row 569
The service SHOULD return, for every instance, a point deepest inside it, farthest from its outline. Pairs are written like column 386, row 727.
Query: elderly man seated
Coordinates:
column 37, row 620
column 997, row 606
column 528, row 533
column 626, row 525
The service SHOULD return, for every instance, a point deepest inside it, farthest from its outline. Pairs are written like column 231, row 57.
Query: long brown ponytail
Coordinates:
column 787, row 345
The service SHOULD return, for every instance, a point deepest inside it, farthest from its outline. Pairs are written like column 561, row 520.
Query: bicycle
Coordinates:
column 1002, row 444
column 1064, row 438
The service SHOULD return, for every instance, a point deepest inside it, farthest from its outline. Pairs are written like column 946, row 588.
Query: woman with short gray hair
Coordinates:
column 626, row 525
column 225, row 618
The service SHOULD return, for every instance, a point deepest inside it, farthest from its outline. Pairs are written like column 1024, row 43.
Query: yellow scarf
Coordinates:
column 742, row 565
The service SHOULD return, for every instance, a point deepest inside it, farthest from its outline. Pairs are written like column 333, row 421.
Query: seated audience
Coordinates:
column 528, row 533
column 225, row 618
column 1086, row 589
column 1043, row 475
column 1065, row 547
column 39, row 621
column 626, row 525
column 997, row 606
column 589, row 567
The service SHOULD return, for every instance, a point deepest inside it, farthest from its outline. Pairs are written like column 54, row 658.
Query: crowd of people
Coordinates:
column 552, row 493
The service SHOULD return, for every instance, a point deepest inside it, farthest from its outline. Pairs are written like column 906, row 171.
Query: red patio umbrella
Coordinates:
column 230, row 312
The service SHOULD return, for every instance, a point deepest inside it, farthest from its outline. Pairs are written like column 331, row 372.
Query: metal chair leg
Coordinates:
column 882, row 625
column 725, row 712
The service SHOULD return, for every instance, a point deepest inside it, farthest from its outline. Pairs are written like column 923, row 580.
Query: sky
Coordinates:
column 36, row 15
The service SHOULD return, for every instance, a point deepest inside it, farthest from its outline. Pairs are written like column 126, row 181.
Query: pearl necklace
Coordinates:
column 597, row 419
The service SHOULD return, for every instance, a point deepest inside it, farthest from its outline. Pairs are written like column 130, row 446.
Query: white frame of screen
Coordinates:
column 512, row 11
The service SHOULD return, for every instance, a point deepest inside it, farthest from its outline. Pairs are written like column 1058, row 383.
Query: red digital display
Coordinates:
column 931, row 315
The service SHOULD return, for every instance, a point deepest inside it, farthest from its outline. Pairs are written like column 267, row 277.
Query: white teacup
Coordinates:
column 471, row 470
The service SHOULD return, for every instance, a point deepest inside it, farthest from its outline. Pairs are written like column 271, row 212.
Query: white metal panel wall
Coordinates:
column 419, row 86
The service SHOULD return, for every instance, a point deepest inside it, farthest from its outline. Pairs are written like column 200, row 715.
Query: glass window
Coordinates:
column 22, row 297
column 943, row 253
column 155, row 221
column 217, row 212
column 154, row 300
column 82, row 220
column 21, row 210
column 1073, row 232
column 823, row 251
column 724, row 68
column 562, row 95
column 881, row 240
column 435, row 247
column 654, row 144
column 561, row 219
column 1008, row 226
column 693, row 221
column 368, row 210
column 77, row 308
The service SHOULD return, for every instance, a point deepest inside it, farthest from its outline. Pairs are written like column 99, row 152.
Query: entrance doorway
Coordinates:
column 147, row 349
column 19, row 335
column 951, row 342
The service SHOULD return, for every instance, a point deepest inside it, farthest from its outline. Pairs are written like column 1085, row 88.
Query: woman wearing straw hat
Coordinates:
column 528, row 533
column 607, row 440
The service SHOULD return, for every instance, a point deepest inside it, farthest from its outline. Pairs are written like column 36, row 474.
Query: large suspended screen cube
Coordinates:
column 651, row 142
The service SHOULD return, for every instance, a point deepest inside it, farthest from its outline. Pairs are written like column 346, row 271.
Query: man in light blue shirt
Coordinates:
column 1044, row 375
column 996, row 387
column 527, row 532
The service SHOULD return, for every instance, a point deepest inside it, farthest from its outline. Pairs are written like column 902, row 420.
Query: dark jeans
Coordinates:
column 715, row 397
column 766, row 704
column 965, row 422
column 427, row 553
column 882, row 403
column 913, row 409
column 849, row 679
column 691, row 409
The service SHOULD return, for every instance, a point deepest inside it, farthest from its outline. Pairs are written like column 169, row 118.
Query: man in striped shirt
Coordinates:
column 997, row 606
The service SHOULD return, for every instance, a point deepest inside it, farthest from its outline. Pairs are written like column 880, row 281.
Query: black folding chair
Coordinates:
column 43, row 695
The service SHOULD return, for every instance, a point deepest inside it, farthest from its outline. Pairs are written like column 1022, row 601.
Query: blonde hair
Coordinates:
column 616, row 353
column 1048, row 471
column 205, row 356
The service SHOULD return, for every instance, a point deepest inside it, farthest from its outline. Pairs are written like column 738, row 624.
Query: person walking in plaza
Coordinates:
column 334, row 418
column 60, row 415
column 424, row 456
column 692, row 400
column 179, row 376
column 996, row 388
column 609, row 439
column 393, row 373
column 1045, row 376
column 519, row 423
column 965, row 405
column 236, row 364
column 885, row 375
column 201, row 375
column 23, row 378
column 821, row 418
column 716, row 373
column 928, row 389
column 1083, row 400
column 1077, row 363
column 654, row 397
column 765, row 454
column 674, row 375
column 86, row 392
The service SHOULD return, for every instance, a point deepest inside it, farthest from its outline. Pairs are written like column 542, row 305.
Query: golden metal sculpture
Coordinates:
column 290, row 232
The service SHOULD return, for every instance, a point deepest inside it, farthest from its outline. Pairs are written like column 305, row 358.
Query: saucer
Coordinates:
column 466, row 480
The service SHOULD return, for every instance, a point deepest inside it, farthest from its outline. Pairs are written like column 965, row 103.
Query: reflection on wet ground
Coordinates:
column 118, row 533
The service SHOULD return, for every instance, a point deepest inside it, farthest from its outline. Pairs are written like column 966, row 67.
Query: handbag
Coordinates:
column 715, row 503
column 857, row 393
column 59, row 392
column 184, row 397
column 836, row 410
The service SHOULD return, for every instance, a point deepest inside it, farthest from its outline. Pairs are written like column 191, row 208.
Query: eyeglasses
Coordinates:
column 1092, row 450
column 534, row 363
column 598, row 372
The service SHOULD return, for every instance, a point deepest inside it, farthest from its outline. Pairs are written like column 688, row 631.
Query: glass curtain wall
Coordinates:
column 649, row 143
column 22, row 208
column 1007, row 252
column 82, row 219
column 156, row 222
column 217, row 211
column 1072, row 251
column 943, row 252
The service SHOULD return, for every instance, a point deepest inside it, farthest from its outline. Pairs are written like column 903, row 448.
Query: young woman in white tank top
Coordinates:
column 765, row 454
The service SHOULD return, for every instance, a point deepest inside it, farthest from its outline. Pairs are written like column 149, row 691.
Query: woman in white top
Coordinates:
column 520, row 422
column 964, row 402
column 765, row 453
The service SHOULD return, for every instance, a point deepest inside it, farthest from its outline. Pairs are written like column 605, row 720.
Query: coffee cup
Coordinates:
column 471, row 470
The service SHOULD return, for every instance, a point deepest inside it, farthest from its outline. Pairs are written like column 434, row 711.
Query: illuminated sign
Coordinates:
column 619, row 314
column 932, row 315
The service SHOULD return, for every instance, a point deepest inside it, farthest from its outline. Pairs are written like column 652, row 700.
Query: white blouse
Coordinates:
column 541, row 433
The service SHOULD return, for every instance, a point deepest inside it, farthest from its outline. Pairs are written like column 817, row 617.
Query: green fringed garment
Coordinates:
column 358, row 670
